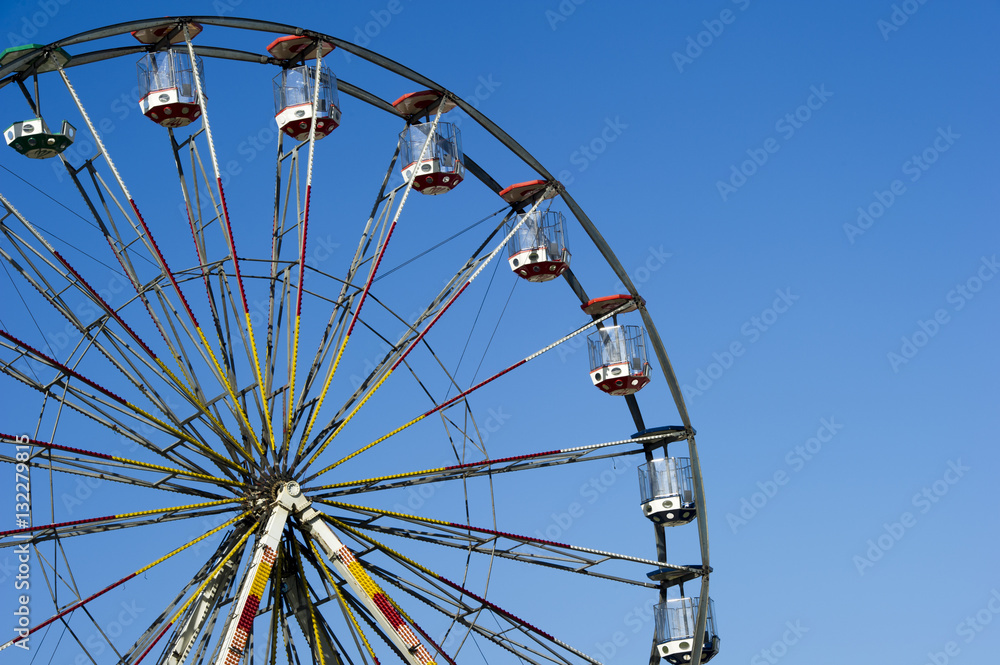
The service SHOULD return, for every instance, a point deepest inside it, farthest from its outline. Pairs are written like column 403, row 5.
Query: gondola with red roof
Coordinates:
column 175, row 32
column 433, row 159
column 618, row 363
column 538, row 250
column 293, row 89
column 167, row 93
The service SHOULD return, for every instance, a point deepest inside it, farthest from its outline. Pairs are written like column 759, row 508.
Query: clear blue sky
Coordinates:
column 805, row 194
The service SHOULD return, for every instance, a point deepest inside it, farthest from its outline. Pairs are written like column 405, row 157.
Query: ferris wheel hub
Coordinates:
column 264, row 490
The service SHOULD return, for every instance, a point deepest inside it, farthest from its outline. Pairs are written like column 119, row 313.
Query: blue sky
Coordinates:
column 804, row 194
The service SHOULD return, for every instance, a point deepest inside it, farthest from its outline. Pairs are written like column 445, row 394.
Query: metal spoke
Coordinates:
column 227, row 226
column 414, row 343
column 75, row 281
column 140, row 414
column 526, row 549
column 226, row 376
column 488, row 467
column 74, row 466
column 144, row 234
column 198, row 619
column 537, row 635
column 121, row 462
column 198, row 594
column 344, row 303
column 108, row 523
column 128, row 577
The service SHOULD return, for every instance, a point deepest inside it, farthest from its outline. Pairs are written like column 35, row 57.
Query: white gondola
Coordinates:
column 667, row 491
column 32, row 138
column 618, row 364
column 293, row 93
column 537, row 251
column 675, row 630
column 441, row 168
column 167, row 89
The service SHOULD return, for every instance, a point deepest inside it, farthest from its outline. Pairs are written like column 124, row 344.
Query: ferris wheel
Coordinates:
column 241, row 388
